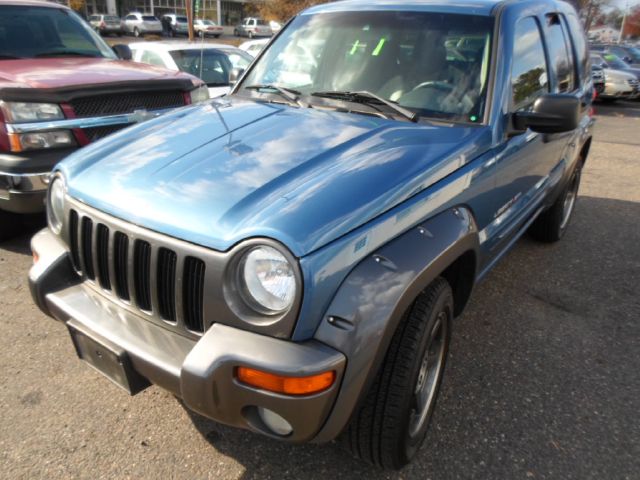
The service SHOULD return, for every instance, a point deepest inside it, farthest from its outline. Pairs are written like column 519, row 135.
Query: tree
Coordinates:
column 283, row 10
column 589, row 10
column 632, row 24
column 77, row 5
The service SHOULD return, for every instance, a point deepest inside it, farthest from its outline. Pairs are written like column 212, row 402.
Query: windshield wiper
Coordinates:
column 293, row 96
column 66, row 53
column 368, row 98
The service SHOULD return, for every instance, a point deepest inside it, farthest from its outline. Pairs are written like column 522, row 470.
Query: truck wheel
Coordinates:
column 392, row 421
column 552, row 224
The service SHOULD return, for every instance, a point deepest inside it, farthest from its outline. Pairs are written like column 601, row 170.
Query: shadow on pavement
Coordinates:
column 28, row 226
column 619, row 109
column 542, row 376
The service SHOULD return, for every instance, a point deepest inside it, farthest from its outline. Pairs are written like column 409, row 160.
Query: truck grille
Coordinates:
column 96, row 133
column 113, row 104
column 154, row 280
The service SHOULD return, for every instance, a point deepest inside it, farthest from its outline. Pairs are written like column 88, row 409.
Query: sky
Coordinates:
column 623, row 3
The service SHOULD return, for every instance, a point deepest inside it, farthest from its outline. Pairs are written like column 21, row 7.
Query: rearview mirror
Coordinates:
column 234, row 75
column 551, row 113
column 122, row 51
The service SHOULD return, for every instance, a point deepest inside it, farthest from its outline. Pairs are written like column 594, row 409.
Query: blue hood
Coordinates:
column 218, row 173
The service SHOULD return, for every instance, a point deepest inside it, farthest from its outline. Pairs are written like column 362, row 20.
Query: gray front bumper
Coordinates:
column 201, row 372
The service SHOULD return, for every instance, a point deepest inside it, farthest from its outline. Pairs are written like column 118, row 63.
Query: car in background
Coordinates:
column 254, row 47
column 207, row 28
column 61, row 88
column 106, row 24
column 613, row 62
column 252, row 27
column 210, row 62
column 275, row 26
column 140, row 24
column 598, row 78
column 619, row 84
column 174, row 25
column 627, row 53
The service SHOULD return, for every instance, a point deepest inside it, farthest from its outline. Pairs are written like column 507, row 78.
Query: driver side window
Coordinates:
column 529, row 77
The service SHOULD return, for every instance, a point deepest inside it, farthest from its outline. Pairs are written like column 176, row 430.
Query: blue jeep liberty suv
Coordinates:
column 289, row 259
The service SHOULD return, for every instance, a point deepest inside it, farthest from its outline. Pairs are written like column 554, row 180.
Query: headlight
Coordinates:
column 268, row 281
column 55, row 204
column 17, row 112
column 200, row 94
column 41, row 140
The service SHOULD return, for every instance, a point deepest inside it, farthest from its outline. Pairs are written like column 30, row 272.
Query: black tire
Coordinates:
column 235, row 33
column 552, row 224
column 386, row 430
column 11, row 225
column 216, row 36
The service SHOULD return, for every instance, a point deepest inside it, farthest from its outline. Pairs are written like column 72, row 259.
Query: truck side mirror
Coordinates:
column 122, row 51
column 234, row 75
column 551, row 113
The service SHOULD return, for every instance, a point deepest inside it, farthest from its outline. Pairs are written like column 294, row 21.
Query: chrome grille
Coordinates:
column 116, row 103
column 152, row 279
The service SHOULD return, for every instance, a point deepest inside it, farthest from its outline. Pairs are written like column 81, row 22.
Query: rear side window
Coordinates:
column 560, row 54
column 580, row 43
column 149, row 18
column 152, row 58
column 529, row 78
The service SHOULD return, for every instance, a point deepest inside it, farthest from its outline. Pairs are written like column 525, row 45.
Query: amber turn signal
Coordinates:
column 286, row 385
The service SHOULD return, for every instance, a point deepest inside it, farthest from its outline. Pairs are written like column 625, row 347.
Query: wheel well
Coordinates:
column 461, row 276
column 585, row 150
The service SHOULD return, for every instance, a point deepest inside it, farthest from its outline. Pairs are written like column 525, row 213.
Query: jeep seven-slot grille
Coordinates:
column 117, row 103
column 150, row 278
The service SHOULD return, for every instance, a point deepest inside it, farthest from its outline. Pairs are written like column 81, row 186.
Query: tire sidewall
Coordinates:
column 576, row 176
column 409, row 446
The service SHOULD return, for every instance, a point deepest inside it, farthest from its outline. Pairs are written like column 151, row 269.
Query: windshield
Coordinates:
column 182, row 19
column 614, row 61
column 212, row 66
column 634, row 53
column 149, row 18
column 434, row 64
column 111, row 18
column 31, row 32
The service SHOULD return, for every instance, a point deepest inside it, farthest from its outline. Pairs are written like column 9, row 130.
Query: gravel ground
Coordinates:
column 542, row 380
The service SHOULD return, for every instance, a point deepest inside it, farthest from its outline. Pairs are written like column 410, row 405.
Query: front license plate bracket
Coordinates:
column 107, row 358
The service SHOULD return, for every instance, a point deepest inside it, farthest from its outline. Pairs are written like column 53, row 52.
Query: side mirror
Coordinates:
column 551, row 113
column 122, row 51
column 234, row 75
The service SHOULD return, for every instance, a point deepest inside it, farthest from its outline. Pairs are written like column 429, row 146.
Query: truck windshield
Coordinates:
column 39, row 32
column 434, row 64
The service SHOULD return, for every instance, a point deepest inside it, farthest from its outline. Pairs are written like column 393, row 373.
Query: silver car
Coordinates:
column 140, row 24
column 106, row 24
column 252, row 27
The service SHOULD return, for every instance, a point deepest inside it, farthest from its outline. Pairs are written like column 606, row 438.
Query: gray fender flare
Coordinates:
column 373, row 299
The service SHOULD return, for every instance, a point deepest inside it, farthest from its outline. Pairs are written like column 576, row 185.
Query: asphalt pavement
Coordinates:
column 543, row 380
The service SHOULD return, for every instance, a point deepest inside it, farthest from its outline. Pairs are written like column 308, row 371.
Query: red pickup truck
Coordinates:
column 62, row 87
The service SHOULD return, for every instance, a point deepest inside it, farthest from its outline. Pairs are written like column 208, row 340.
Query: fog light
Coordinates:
column 274, row 422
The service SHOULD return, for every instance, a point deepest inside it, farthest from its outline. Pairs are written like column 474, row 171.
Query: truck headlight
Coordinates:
column 268, row 281
column 200, row 94
column 21, row 142
column 19, row 112
column 55, row 204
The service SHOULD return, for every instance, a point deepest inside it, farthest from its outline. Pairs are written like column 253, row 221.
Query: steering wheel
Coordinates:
column 438, row 85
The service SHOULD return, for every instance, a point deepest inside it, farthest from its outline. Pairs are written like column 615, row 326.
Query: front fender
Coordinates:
column 373, row 299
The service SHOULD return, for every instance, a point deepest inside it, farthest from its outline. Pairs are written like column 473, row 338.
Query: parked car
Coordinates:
column 62, row 87
column 628, row 53
column 209, row 61
column 252, row 27
column 599, row 83
column 275, row 26
column 621, row 83
column 290, row 259
column 207, row 28
column 140, row 24
column 106, row 24
column 174, row 25
column 254, row 47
